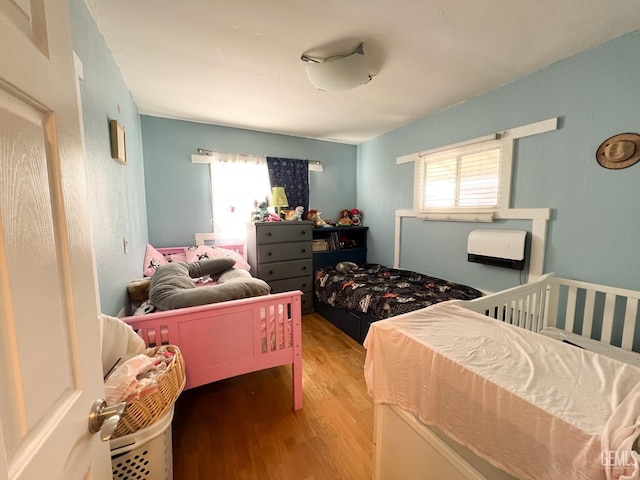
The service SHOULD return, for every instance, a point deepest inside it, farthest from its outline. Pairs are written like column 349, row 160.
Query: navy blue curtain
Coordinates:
column 293, row 175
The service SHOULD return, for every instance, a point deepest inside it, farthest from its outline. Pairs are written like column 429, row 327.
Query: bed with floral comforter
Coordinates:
column 385, row 292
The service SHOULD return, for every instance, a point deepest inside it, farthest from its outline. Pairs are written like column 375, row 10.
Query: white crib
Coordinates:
column 583, row 308
column 586, row 314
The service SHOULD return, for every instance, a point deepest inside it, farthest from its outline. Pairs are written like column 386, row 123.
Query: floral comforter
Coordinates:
column 385, row 292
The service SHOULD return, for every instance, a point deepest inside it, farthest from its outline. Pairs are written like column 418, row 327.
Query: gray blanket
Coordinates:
column 172, row 285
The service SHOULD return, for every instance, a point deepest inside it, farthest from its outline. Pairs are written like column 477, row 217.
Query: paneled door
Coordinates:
column 50, row 367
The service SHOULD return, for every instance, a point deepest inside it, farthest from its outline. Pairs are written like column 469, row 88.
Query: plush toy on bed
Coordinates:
column 346, row 267
column 172, row 285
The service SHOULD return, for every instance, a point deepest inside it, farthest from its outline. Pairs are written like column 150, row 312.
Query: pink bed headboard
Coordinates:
column 172, row 250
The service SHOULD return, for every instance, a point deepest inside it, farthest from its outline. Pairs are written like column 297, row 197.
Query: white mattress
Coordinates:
column 532, row 406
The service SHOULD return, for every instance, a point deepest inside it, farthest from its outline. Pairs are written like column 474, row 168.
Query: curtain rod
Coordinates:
column 314, row 165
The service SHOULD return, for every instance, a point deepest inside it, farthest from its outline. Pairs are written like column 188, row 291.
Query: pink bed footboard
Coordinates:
column 222, row 340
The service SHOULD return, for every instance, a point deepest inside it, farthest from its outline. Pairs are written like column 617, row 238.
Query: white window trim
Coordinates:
column 462, row 214
column 456, row 213
column 538, row 216
column 539, row 222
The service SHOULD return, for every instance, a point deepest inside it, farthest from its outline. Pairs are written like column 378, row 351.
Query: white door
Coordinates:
column 50, row 367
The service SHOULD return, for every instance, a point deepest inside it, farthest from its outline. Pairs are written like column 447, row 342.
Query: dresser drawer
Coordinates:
column 279, row 252
column 304, row 284
column 281, row 232
column 282, row 270
column 306, row 303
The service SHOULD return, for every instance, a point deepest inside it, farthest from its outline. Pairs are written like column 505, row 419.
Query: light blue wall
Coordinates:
column 595, row 224
column 178, row 191
column 595, row 227
column 116, row 192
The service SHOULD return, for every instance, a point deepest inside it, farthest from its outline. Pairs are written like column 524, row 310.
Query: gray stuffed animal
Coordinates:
column 346, row 267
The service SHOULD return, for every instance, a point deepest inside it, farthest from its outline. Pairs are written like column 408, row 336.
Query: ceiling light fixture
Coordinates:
column 338, row 73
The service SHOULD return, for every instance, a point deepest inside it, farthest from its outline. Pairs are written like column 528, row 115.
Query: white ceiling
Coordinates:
column 237, row 62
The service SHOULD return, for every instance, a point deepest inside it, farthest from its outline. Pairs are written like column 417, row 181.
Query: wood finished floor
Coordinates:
column 245, row 427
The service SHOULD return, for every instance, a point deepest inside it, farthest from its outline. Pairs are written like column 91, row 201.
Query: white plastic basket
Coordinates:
column 146, row 454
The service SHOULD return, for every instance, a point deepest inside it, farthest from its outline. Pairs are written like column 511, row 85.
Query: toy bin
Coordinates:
column 146, row 454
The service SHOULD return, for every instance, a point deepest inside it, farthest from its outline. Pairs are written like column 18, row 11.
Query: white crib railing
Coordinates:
column 522, row 306
column 604, row 313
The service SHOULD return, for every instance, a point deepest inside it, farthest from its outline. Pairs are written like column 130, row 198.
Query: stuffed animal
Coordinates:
column 345, row 218
column 356, row 217
column 287, row 214
column 262, row 213
column 346, row 267
column 261, row 209
column 314, row 216
column 293, row 215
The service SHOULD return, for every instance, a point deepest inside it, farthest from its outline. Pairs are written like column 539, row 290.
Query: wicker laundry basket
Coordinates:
column 146, row 409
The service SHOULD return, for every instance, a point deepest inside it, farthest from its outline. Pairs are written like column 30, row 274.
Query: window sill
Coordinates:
column 485, row 217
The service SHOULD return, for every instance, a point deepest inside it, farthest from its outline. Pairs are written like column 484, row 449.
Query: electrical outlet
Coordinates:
column 125, row 244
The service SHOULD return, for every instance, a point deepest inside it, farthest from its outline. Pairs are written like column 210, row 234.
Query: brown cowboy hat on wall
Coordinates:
column 619, row 151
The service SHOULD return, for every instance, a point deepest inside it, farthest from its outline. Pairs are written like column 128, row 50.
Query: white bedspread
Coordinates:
column 532, row 406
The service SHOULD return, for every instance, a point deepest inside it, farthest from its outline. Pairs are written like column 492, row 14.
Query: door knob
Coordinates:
column 105, row 419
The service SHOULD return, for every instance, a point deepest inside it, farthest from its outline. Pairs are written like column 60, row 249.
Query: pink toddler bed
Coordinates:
column 222, row 340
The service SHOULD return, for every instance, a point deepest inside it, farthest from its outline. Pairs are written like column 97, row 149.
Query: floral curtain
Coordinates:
column 293, row 175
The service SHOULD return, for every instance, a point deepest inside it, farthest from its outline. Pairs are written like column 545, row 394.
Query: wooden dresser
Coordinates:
column 280, row 254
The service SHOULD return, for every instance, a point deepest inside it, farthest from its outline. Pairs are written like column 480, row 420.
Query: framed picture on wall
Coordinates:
column 118, row 142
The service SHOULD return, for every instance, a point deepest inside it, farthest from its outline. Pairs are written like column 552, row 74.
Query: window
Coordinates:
column 467, row 179
column 237, row 182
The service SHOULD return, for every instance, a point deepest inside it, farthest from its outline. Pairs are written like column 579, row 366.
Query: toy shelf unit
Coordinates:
column 339, row 244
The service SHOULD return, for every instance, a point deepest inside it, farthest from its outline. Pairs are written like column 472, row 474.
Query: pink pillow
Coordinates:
column 206, row 251
column 152, row 260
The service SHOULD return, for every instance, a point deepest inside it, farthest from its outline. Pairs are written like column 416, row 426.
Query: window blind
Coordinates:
column 464, row 178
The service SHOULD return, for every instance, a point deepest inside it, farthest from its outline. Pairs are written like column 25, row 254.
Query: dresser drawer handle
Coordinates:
column 269, row 234
column 270, row 272
column 303, row 232
column 304, row 250
column 304, row 268
column 269, row 254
